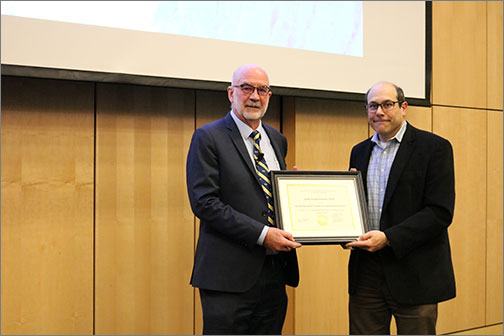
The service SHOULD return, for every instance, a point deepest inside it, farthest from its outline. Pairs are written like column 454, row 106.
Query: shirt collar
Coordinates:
column 245, row 129
column 399, row 135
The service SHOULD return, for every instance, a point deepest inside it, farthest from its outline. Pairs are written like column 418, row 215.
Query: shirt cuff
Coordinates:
column 260, row 241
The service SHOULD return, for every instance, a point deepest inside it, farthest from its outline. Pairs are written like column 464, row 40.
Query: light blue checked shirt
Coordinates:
column 380, row 163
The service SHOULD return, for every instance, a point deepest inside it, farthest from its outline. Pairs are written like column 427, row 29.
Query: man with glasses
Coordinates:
column 242, row 261
column 402, row 266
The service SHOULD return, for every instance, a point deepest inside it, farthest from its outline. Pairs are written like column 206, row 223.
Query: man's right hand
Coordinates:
column 279, row 240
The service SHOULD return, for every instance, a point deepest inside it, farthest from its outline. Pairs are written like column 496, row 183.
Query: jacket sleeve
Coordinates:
column 203, row 186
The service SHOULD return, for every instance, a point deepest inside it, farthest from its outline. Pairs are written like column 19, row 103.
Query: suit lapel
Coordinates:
column 237, row 140
column 402, row 157
column 363, row 165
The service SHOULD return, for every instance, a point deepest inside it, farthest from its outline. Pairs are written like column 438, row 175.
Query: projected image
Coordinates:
column 323, row 26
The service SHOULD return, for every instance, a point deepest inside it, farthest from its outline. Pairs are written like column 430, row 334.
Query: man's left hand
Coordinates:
column 370, row 241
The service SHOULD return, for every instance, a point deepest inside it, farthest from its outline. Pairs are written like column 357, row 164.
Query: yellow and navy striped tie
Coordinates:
column 263, row 173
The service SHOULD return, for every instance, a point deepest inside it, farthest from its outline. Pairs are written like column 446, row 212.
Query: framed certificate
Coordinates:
column 320, row 207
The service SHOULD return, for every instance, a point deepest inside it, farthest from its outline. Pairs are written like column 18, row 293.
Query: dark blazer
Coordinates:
column 417, row 210
column 226, row 196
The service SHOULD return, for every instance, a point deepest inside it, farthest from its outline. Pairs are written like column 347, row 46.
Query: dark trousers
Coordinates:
column 259, row 311
column 372, row 307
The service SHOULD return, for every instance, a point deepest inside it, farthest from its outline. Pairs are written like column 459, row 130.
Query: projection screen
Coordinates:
column 309, row 48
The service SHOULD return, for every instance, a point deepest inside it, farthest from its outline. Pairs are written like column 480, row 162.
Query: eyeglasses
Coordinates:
column 386, row 106
column 249, row 89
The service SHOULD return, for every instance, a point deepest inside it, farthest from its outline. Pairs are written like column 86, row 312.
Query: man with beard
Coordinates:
column 242, row 261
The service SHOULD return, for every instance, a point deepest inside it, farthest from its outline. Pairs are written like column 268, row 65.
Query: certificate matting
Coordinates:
column 320, row 207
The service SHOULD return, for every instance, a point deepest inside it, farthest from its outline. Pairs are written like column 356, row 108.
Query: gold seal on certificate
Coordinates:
column 320, row 207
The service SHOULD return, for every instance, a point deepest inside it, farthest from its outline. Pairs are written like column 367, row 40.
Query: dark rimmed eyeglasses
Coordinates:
column 249, row 89
column 386, row 106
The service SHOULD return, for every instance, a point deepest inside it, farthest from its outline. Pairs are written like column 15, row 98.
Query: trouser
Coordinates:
column 372, row 306
column 258, row 311
column 370, row 314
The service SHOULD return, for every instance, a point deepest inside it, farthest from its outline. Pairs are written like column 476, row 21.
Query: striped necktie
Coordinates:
column 263, row 173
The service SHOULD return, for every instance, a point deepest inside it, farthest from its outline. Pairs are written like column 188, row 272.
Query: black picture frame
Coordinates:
column 320, row 207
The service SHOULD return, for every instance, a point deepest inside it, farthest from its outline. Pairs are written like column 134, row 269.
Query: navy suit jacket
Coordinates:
column 226, row 196
column 417, row 210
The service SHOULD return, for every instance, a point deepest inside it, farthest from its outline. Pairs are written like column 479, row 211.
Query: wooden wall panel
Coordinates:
column 494, row 52
column 325, row 132
column 47, row 207
column 494, row 245
column 490, row 330
column 420, row 117
column 210, row 106
column 144, row 225
column 289, row 129
column 466, row 129
column 459, row 53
